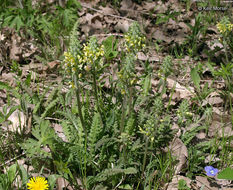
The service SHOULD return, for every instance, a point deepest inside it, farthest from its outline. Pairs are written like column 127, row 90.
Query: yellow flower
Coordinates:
column 38, row 183
column 87, row 68
column 122, row 91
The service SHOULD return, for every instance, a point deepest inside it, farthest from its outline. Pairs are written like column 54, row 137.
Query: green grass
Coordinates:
column 117, row 136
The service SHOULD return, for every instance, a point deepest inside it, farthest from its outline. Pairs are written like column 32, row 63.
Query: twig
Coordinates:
column 9, row 161
column 216, row 81
column 101, row 12
column 119, row 183
column 113, row 34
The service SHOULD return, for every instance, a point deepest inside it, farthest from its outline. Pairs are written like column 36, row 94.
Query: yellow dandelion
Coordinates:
column 38, row 183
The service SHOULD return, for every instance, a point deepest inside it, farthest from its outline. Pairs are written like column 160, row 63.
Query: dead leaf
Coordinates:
column 201, row 135
column 125, row 5
column 179, row 150
column 52, row 66
column 158, row 35
column 220, row 122
column 184, row 27
column 141, row 56
column 58, row 129
column 179, row 36
column 123, row 25
column 15, row 51
column 17, row 122
column 173, row 185
column 182, row 90
column 172, row 25
column 149, row 6
column 204, row 182
column 107, row 10
column 161, row 7
column 213, row 99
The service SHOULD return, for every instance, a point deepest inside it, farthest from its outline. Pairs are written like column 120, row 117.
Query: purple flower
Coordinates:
column 211, row 171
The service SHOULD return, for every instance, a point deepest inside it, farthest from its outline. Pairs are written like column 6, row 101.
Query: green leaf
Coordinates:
column 126, row 186
column 52, row 180
column 23, row 174
column 110, row 45
column 17, row 22
column 4, row 85
column 195, row 77
column 44, row 135
column 227, row 173
column 12, row 173
column 12, row 109
column 147, row 85
column 130, row 171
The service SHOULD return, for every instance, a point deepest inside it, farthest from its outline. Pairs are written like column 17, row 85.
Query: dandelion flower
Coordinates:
column 38, row 183
column 211, row 171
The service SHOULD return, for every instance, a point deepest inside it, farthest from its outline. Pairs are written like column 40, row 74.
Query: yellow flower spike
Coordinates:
column 73, row 69
column 72, row 85
column 87, row 68
column 38, row 183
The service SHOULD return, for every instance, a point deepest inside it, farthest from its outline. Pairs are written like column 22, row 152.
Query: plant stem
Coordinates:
column 123, row 115
column 77, row 91
column 130, row 101
column 225, row 48
column 96, row 95
column 144, row 159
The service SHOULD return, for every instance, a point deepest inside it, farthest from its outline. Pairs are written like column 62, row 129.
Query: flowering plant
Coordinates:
column 38, row 183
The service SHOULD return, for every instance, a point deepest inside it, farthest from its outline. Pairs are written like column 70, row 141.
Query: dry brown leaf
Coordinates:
column 184, row 92
column 201, row 135
column 213, row 99
column 184, row 27
column 126, row 4
column 204, row 182
column 179, row 150
column 148, row 6
column 15, row 51
column 58, row 129
column 172, row 25
column 107, row 10
column 211, row 158
column 62, row 183
column 179, row 37
column 141, row 56
column 161, row 7
column 97, row 24
column 158, row 35
column 123, row 25
column 218, row 124
column 18, row 121
column 173, row 185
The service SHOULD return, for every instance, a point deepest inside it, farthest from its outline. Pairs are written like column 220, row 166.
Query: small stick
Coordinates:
column 101, row 12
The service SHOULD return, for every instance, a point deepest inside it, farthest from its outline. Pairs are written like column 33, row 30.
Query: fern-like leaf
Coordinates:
column 94, row 132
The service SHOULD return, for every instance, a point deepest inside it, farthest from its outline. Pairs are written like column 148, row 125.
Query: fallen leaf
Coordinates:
column 182, row 90
column 173, row 185
column 205, row 184
column 180, row 151
column 158, row 35
column 123, row 25
column 18, row 122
